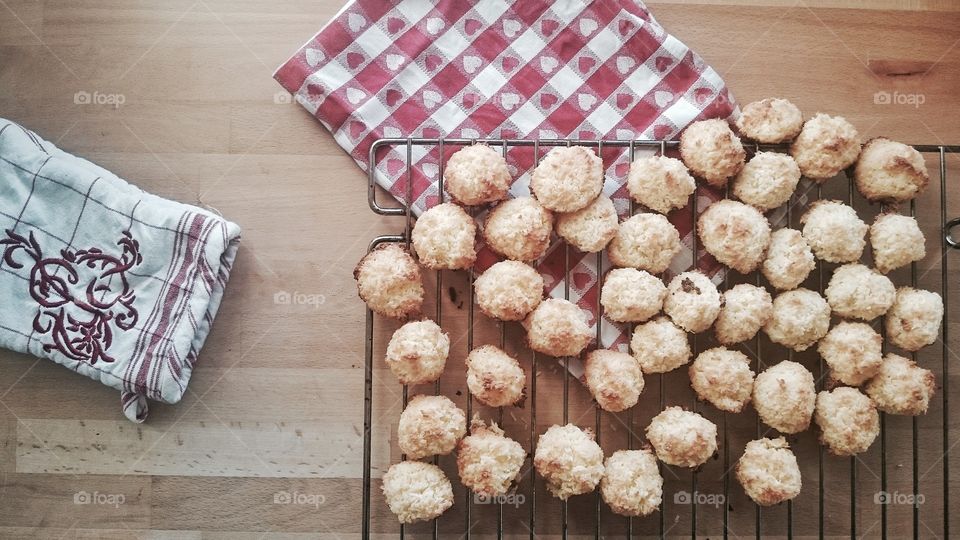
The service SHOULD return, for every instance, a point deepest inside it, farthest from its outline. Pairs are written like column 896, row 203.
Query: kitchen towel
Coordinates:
column 532, row 69
column 103, row 278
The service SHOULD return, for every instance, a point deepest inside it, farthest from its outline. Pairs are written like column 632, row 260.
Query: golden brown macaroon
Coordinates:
column 476, row 175
column 712, row 151
column 735, row 233
column 569, row 460
column 744, row 310
column 508, row 290
column 417, row 352
column 852, row 350
column 494, row 377
column 682, row 438
column 389, row 281
column 848, row 421
column 631, row 484
column 890, row 171
column 914, row 319
column 768, row 471
column 826, row 145
column 660, row 183
column 722, row 377
column 591, row 228
column 430, row 425
column 558, row 327
column 416, row 491
column 519, row 229
column 646, row 241
column 901, row 386
column 770, row 120
column 444, row 238
column 785, row 396
column 800, row 318
column 487, row 460
column 614, row 379
column 896, row 241
column 567, row 178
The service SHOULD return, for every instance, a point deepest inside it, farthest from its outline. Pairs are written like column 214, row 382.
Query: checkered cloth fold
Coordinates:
column 105, row 279
column 532, row 69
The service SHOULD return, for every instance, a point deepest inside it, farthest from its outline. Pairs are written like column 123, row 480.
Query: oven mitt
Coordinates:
column 103, row 278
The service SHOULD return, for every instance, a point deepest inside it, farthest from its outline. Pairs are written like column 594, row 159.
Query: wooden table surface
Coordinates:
column 275, row 404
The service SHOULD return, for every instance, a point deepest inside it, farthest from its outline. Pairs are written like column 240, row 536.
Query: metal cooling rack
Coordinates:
column 603, row 521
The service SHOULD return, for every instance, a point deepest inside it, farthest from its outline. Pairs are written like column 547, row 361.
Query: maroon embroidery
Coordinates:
column 82, row 294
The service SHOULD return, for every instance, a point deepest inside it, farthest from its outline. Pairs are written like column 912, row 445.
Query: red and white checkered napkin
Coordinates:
column 506, row 69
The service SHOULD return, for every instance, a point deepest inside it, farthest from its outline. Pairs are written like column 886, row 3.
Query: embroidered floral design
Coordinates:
column 83, row 295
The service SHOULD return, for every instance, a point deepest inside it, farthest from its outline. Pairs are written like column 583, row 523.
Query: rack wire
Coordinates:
column 539, row 520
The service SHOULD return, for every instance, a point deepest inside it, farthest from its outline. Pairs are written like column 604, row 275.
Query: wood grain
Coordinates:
column 275, row 404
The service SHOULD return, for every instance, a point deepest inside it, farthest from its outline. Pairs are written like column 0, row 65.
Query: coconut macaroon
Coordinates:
column 682, row 438
column 569, row 460
column 826, row 145
column 631, row 295
column 519, row 229
column 567, row 178
column 723, row 377
column 789, row 259
column 890, row 171
column 660, row 346
column 896, row 241
column 430, row 425
column 853, row 352
column 494, row 377
column 476, row 175
column 913, row 321
column 646, row 241
column 631, row 484
column 768, row 471
column 443, row 238
column 901, row 386
column 770, row 120
column 591, row 228
column 487, row 460
column 416, row 491
column 614, row 379
column 767, row 180
column 784, row 396
column 508, row 290
column 800, row 318
column 848, row 421
column 711, row 151
column 834, row 231
column 558, row 327
column 660, row 183
column 745, row 309
column 417, row 352
column 692, row 302
column 735, row 233
column 389, row 281
column 856, row 291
